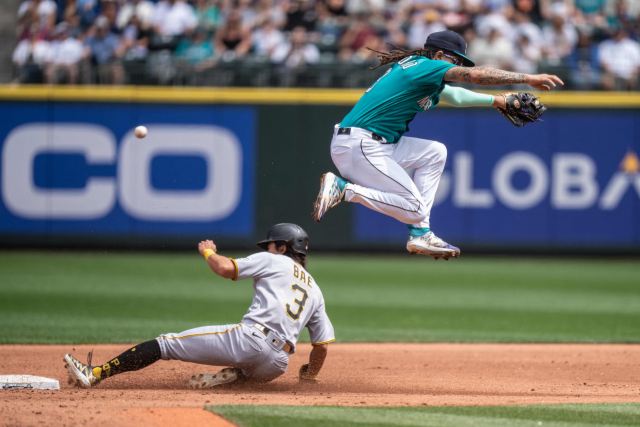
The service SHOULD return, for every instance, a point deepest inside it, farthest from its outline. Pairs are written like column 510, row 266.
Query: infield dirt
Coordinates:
column 354, row 375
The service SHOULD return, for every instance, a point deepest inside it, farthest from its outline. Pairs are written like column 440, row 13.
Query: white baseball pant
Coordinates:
column 239, row 346
column 380, row 181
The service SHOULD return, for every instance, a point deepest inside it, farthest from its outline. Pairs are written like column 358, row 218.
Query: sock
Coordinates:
column 341, row 184
column 417, row 232
column 135, row 358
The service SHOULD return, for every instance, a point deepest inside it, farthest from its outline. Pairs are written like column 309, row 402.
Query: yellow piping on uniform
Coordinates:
column 323, row 342
column 235, row 277
column 198, row 335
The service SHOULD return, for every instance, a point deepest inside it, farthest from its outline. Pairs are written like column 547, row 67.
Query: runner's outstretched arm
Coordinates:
column 487, row 76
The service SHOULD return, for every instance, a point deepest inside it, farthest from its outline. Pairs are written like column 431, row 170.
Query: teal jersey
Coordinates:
column 408, row 87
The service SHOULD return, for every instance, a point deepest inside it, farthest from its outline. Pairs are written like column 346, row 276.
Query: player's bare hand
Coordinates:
column 543, row 81
column 206, row 244
column 305, row 377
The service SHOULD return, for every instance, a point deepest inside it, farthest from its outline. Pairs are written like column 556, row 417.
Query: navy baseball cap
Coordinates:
column 449, row 41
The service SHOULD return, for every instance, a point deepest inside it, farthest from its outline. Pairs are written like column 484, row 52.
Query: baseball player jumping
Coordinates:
column 286, row 299
column 371, row 153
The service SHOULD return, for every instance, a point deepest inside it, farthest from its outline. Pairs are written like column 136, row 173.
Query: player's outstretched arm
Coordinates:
column 310, row 371
column 487, row 76
column 220, row 265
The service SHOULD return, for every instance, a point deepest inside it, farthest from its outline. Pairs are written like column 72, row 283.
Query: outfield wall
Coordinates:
column 227, row 163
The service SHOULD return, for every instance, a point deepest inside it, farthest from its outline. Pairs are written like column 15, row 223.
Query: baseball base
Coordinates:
column 12, row 382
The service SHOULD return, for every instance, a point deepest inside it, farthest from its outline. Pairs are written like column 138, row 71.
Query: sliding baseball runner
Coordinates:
column 371, row 153
column 286, row 299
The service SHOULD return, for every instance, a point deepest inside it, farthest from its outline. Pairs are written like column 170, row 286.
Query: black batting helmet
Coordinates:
column 291, row 234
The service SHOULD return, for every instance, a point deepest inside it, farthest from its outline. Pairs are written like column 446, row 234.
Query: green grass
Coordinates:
column 605, row 414
column 49, row 297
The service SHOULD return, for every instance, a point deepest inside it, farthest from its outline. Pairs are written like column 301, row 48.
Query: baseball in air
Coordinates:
column 140, row 132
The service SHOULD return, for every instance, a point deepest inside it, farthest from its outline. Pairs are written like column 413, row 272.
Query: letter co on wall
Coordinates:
column 183, row 178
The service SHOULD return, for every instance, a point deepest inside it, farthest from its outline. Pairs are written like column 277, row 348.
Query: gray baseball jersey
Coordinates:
column 286, row 300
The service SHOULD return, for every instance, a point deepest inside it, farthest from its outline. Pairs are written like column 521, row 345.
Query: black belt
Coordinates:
column 347, row 131
column 266, row 331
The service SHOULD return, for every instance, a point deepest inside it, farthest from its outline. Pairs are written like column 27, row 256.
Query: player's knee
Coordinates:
column 440, row 152
column 416, row 215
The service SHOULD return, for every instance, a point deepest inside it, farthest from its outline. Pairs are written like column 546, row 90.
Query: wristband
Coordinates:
column 207, row 253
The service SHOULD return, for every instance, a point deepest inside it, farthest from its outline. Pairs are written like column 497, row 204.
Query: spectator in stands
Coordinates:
column 364, row 54
column 333, row 9
column 620, row 61
column 196, row 52
column 494, row 21
column 551, row 8
column 530, row 8
column 174, row 18
column 625, row 13
column 32, row 28
column 393, row 35
column 208, row 15
column 72, row 19
column 65, row 53
column 88, row 11
column 524, row 27
column 110, row 11
column 266, row 39
column 136, row 38
column 300, row 13
column 526, row 56
column 397, row 10
column 353, row 39
column 268, row 10
column 232, row 40
column 42, row 10
column 364, row 7
column 29, row 57
column 105, row 50
column 143, row 10
column 423, row 24
column 560, row 38
column 590, row 7
column 247, row 13
column 584, row 65
column 298, row 52
column 589, row 15
column 492, row 51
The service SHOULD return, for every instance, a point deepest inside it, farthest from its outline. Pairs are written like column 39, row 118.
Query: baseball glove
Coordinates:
column 304, row 375
column 522, row 108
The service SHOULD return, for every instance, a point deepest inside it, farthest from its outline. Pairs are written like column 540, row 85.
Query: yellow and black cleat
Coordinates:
column 81, row 373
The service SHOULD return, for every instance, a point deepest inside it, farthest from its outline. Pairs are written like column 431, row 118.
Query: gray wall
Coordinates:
column 8, row 39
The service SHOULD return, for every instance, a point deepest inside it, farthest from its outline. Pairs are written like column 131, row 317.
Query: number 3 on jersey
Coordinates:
column 295, row 316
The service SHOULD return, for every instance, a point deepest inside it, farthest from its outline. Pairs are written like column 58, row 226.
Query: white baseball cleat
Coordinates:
column 227, row 375
column 432, row 245
column 331, row 193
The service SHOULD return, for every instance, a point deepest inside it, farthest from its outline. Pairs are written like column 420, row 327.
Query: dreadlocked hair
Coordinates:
column 398, row 54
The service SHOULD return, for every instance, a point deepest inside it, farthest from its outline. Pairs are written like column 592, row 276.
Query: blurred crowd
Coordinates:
column 592, row 44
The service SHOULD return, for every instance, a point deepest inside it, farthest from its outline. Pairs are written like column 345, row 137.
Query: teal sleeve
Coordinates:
column 459, row 97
